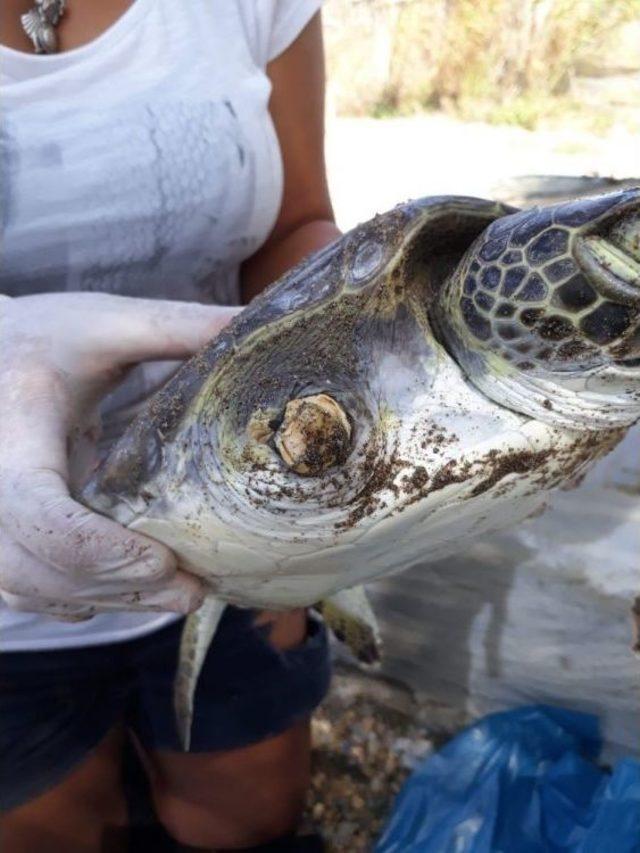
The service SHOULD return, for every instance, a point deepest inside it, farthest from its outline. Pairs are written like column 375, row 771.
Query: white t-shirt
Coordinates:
column 144, row 163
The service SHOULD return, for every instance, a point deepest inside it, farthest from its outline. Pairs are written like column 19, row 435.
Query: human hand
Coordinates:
column 59, row 354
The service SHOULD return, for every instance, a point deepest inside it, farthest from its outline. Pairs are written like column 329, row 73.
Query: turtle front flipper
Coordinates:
column 350, row 616
column 197, row 634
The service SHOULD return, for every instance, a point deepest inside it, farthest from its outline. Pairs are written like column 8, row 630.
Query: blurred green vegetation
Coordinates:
column 503, row 61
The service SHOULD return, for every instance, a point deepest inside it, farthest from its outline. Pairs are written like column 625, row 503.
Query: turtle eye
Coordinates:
column 314, row 434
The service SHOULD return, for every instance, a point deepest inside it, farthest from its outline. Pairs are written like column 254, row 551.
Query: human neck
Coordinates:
column 83, row 21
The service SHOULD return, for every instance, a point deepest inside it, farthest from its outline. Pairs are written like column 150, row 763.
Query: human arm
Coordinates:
column 305, row 222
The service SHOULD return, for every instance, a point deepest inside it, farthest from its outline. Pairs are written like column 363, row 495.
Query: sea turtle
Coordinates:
column 421, row 381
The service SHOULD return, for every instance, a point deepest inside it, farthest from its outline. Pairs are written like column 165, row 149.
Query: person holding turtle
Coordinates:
column 160, row 160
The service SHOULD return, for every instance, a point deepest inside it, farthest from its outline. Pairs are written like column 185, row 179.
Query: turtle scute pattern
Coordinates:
column 525, row 293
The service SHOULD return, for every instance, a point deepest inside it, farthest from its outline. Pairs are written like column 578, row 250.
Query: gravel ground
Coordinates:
column 367, row 737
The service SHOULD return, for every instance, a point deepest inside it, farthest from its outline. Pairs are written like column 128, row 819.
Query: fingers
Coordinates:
column 28, row 583
column 62, row 610
column 143, row 329
column 36, row 507
column 80, row 609
column 166, row 329
column 93, row 553
column 85, row 334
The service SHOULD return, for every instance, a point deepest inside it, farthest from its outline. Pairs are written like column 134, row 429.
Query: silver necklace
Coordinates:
column 39, row 24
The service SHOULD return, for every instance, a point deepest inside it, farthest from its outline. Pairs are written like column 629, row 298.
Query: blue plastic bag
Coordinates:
column 522, row 781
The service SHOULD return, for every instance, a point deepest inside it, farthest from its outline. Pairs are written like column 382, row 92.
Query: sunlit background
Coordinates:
column 455, row 96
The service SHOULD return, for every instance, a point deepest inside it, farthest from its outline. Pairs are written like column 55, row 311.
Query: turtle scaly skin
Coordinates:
column 553, row 294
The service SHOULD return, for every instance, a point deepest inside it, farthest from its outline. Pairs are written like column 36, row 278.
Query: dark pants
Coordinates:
column 57, row 705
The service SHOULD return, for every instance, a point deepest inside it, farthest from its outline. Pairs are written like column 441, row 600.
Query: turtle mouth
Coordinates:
column 612, row 262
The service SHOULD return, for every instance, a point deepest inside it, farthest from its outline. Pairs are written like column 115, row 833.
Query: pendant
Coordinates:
column 39, row 24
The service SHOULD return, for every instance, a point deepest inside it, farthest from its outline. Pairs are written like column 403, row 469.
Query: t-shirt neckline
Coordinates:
column 19, row 64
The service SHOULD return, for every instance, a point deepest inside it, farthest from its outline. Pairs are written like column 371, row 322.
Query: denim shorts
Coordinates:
column 55, row 706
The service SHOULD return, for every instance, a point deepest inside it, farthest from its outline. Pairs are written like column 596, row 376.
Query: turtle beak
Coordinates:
column 610, row 255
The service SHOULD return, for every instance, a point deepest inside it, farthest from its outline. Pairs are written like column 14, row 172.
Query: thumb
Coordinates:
column 145, row 329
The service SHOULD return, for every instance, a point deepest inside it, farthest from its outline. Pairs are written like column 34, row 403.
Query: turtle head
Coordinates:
column 543, row 312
